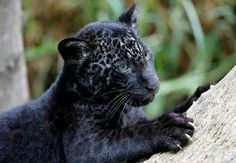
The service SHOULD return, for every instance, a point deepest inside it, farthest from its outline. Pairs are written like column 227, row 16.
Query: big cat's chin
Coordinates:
column 143, row 100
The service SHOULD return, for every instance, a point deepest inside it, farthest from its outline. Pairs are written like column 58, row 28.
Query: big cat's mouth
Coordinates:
column 141, row 100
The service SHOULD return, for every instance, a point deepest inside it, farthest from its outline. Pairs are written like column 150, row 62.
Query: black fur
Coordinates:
column 92, row 112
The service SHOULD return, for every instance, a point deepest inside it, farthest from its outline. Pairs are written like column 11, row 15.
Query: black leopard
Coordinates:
column 93, row 111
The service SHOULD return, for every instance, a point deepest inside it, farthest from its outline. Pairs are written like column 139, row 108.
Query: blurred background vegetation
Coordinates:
column 194, row 42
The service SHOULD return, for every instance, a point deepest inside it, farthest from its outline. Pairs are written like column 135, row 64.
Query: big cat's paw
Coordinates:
column 201, row 90
column 176, row 131
column 184, row 106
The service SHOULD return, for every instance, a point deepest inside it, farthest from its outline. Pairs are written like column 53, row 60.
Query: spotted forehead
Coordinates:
column 114, row 41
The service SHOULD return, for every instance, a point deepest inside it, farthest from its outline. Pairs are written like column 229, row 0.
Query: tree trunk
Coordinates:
column 215, row 118
column 13, row 82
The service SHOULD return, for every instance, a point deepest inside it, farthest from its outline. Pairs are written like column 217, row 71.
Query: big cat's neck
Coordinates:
column 61, row 91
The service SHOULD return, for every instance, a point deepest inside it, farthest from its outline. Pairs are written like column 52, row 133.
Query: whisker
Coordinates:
column 114, row 91
column 116, row 103
column 118, row 96
column 121, row 101
column 127, row 103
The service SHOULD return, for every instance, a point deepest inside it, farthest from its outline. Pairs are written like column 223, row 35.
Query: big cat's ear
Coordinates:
column 73, row 48
column 129, row 17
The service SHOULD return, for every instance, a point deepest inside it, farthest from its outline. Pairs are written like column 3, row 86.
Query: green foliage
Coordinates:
column 47, row 47
column 193, row 41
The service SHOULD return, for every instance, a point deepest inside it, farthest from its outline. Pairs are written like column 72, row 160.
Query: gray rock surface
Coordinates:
column 215, row 118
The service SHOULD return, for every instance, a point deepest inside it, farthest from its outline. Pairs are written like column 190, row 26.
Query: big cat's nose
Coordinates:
column 152, row 87
column 149, row 79
column 152, row 84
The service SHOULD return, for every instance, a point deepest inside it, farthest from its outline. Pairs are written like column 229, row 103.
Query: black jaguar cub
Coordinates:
column 92, row 113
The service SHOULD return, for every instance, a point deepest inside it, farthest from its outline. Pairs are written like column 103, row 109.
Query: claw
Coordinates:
column 180, row 148
column 192, row 124
column 189, row 138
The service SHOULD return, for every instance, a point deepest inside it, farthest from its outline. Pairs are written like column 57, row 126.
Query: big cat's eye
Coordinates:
column 147, row 56
column 124, row 68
